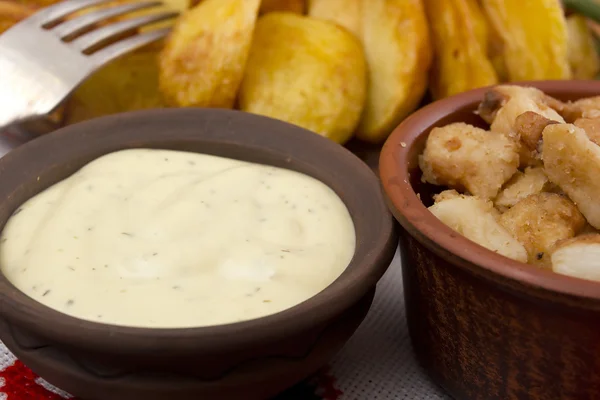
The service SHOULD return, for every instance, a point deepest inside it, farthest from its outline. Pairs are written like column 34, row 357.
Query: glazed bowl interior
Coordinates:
column 38, row 164
column 408, row 197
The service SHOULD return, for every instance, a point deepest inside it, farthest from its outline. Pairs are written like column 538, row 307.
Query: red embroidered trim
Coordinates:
column 20, row 384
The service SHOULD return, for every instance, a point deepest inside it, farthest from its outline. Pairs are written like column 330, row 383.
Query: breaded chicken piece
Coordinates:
column 541, row 220
column 464, row 157
column 529, row 127
column 572, row 161
column 591, row 128
column 446, row 195
column 523, row 184
column 476, row 219
column 578, row 257
column 588, row 107
column 501, row 108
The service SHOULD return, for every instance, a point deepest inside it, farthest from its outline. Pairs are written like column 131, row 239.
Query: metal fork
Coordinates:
column 44, row 57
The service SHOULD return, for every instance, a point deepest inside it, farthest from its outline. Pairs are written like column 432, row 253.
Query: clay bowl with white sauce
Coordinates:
column 485, row 326
column 252, row 359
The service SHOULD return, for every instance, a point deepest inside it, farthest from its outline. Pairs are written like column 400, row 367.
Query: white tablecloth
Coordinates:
column 376, row 364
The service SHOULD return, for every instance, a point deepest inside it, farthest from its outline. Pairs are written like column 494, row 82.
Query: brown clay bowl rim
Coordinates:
column 415, row 217
column 236, row 127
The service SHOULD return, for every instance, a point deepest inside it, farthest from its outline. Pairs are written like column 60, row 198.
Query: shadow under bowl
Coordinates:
column 484, row 326
column 248, row 360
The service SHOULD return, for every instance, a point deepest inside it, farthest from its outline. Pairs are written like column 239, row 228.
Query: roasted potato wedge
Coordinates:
column 128, row 83
column 534, row 37
column 347, row 13
column 295, row 6
column 398, row 50
column 203, row 61
column 583, row 57
column 11, row 13
column 308, row 72
column 460, row 39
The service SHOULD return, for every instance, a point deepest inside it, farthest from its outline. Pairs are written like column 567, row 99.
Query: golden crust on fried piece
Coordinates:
column 503, row 108
column 520, row 186
column 588, row 107
column 578, row 257
column 205, row 55
column 540, row 221
column 572, row 161
column 591, row 128
column 476, row 219
column 465, row 157
column 529, row 127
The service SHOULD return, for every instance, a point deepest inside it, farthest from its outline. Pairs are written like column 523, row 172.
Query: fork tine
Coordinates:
column 124, row 46
column 80, row 24
column 54, row 13
column 98, row 36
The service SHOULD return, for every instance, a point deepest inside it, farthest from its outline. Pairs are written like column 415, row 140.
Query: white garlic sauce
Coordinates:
column 161, row 238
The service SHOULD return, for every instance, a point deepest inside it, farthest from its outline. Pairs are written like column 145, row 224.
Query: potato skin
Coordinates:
column 305, row 71
column 11, row 13
column 346, row 13
column 126, row 84
column 295, row 6
column 460, row 41
column 398, row 50
column 540, row 221
column 203, row 61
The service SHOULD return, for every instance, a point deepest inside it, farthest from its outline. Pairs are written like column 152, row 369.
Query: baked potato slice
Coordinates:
column 128, row 83
column 295, row 6
column 347, row 13
column 398, row 51
column 308, row 72
column 203, row 61
column 11, row 13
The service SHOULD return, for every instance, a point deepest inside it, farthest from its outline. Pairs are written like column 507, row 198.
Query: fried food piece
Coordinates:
column 460, row 42
column 446, row 195
column 541, row 220
column 504, row 103
column 591, row 128
column 503, row 108
column 583, row 57
column 534, row 37
column 583, row 108
column 520, row 186
column 398, row 50
column 308, row 72
column 203, row 61
column 578, row 257
column 528, row 128
column 346, row 13
column 11, row 13
column 462, row 156
column 126, row 84
column 572, row 161
column 295, row 6
column 476, row 219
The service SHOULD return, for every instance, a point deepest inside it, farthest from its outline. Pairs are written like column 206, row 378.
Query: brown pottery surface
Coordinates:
column 484, row 326
column 247, row 360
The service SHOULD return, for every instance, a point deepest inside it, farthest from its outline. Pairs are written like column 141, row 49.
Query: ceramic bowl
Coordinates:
column 248, row 360
column 484, row 326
